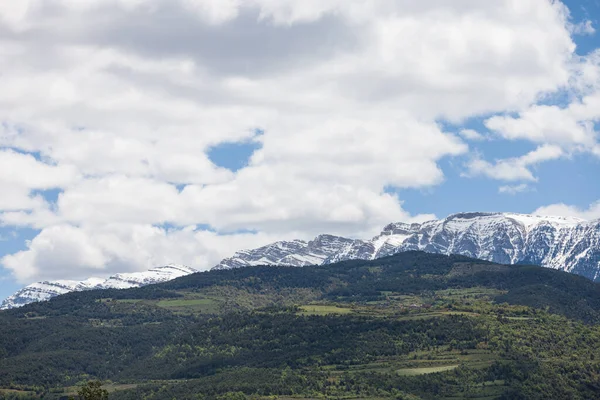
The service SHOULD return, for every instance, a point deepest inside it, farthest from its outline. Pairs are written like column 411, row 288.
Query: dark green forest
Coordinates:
column 410, row 326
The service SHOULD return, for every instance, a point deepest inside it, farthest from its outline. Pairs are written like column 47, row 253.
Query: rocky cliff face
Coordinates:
column 297, row 253
column 568, row 244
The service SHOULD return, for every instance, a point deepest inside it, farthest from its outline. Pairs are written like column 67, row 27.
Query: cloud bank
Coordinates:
column 114, row 104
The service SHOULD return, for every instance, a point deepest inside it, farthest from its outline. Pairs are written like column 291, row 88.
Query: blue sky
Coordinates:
column 569, row 181
column 231, row 131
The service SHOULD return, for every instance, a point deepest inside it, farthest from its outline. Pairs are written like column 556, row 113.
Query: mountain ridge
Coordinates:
column 42, row 291
column 564, row 243
column 488, row 330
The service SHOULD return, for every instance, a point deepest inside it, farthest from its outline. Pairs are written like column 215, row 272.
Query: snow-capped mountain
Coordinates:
column 43, row 291
column 297, row 253
column 568, row 244
column 150, row 277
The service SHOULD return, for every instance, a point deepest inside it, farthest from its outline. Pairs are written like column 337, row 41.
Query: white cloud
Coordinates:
column 514, row 169
column 99, row 250
column 583, row 28
column 22, row 173
column 548, row 124
column 122, row 99
column 564, row 210
column 505, row 170
column 25, row 170
column 541, row 154
column 570, row 126
column 514, row 189
column 470, row 134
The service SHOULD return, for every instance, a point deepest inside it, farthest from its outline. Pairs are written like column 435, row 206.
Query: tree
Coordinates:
column 92, row 391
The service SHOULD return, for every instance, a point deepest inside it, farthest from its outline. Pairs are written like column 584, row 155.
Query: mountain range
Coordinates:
column 562, row 243
column 42, row 291
column 414, row 325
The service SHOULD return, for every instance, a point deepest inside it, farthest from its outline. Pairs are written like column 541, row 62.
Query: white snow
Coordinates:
column 530, row 221
column 391, row 240
column 42, row 291
column 554, row 242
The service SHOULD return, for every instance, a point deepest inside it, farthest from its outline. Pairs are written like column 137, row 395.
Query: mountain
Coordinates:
column 568, row 244
column 43, row 291
column 297, row 253
column 347, row 330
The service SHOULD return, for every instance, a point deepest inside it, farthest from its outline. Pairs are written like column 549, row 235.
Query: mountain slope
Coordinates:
column 353, row 329
column 43, row 291
column 567, row 244
column 297, row 253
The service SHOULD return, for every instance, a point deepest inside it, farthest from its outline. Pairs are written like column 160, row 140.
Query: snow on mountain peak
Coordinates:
column 297, row 253
column 533, row 220
column 43, row 291
column 566, row 243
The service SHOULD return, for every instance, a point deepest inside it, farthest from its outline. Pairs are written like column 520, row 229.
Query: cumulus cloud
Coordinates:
column 583, row 28
column 470, row 134
column 514, row 169
column 120, row 101
column 570, row 125
column 564, row 210
column 551, row 124
column 79, row 252
column 560, row 130
column 21, row 174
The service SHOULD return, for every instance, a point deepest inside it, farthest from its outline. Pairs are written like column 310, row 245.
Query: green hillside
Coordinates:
column 413, row 326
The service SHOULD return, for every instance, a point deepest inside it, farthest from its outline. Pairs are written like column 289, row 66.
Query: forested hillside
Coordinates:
column 411, row 326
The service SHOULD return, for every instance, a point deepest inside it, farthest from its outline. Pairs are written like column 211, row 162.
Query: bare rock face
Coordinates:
column 297, row 253
column 568, row 244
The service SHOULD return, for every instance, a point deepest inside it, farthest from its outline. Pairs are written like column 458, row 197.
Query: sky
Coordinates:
column 136, row 133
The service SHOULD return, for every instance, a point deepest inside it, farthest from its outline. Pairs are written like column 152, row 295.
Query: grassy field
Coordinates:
column 438, row 359
column 317, row 309
column 110, row 387
column 473, row 293
column 15, row 392
column 425, row 370
column 204, row 305
column 433, row 314
column 126, row 301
